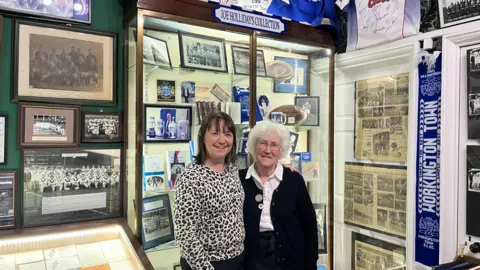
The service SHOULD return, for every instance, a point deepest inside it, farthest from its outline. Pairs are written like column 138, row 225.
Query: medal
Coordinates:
column 259, row 198
column 260, row 206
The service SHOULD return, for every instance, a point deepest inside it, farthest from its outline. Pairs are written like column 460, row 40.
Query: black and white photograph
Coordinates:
column 472, row 187
column 401, row 189
column 294, row 142
column 473, row 99
column 295, row 161
column 101, row 127
column 381, row 143
column 375, row 254
column 454, row 12
column 3, row 138
column 64, row 65
column 311, row 105
column 321, row 212
column 167, row 123
column 202, row 52
column 49, row 125
column 8, row 180
column 386, row 200
column 385, row 183
column 66, row 186
column 397, row 220
column 188, row 92
column 242, row 161
column 241, row 61
column 67, row 10
column 155, row 51
column 382, row 217
column 157, row 223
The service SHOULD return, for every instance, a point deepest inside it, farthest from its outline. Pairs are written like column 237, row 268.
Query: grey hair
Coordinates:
column 267, row 126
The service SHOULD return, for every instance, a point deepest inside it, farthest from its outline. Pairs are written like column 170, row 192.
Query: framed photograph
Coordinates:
column 372, row 253
column 155, row 52
column 101, row 127
column 202, row 52
column 167, row 123
column 3, row 138
column 157, row 222
column 241, row 61
column 71, row 185
column 321, row 212
column 64, row 65
column 48, row 125
column 165, row 91
column 472, row 200
column 188, row 92
column 154, row 178
column 454, row 12
column 76, row 11
column 8, row 190
column 296, row 161
column 293, row 141
column 376, row 198
column 298, row 82
column 176, row 164
column 311, row 105
column 242, row 161
column 473, row 86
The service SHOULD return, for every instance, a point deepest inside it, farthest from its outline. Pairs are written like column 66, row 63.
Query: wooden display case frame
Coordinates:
column 199, row 13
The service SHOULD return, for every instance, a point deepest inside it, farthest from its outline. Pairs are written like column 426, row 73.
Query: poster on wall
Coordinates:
column 454, row 12
column 376, row 197
column 473, row 85
column 427, row 180
column 473, row 190
column 381, row 122
column 371, row 253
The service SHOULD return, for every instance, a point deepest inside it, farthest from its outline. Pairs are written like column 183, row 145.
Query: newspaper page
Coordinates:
column 381, row 122
column 376, row 197
column 377, row 255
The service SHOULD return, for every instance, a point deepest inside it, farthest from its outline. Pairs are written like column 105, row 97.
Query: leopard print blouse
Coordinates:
column 209, row 215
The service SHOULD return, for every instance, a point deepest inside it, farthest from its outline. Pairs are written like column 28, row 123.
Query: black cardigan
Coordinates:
column 293, row 218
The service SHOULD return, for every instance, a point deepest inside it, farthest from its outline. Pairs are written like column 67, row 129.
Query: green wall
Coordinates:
column 107, row 15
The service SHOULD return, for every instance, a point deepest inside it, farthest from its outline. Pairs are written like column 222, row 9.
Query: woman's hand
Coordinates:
column 288, row 166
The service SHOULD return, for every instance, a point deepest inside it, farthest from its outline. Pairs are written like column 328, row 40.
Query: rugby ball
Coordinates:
column 294, row 114
column 279, row 70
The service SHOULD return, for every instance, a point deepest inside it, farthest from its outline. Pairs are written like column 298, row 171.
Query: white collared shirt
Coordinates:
column 268, row 188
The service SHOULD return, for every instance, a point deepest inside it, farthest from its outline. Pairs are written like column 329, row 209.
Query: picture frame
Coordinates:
column 166, row 91
column 311, row 105
column 48, row 125
column 76, row 11
column 364, row 247
column 155, row 52
column 293, row 141
column 157, row 221
column 242, row 161
column 296, row 161
column 298, row 82
column 91, row 60
column 241, row 61
column 3, row 138
column 321, row 213
column 101, row 127
column 167, row 123
column 177, row 267
column 454, row 12
column 192, row 58
column 64, row 185
column 8, row 211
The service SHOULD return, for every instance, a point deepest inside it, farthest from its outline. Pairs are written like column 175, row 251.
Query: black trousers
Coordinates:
column 236, row 263
column 267, row 258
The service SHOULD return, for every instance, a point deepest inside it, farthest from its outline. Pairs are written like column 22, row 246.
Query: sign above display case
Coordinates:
column 238, row 17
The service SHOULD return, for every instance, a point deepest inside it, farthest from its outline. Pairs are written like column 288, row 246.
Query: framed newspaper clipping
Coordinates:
column 371, row 253
column 376, row 197
column 381, row 122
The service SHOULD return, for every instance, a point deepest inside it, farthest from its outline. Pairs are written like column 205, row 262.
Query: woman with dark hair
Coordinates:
column 209, row 201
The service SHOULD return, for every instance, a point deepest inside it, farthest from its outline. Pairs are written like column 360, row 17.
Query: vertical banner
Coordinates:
column 427, row 233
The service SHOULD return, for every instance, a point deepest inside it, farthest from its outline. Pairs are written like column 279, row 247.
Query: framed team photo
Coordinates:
column 43, row 125
column 241, row 61
column 101, row 127
column 70, row 185
column 202, row 52
column 8, row 190
column 167, row 123
column 157, row 222
column 454, row 12
column 65, row 65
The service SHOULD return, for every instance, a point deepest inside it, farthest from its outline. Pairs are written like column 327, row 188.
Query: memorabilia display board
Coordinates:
column 107, row 245
column 376, row 197
column 473, row 86
column 473, row 190
column 370, row 253
column 381, row 125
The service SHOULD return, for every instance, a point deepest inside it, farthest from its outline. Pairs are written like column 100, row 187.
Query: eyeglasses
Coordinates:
column 264, row 145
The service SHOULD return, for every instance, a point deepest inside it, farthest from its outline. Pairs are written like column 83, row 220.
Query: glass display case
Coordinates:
column 179, row 69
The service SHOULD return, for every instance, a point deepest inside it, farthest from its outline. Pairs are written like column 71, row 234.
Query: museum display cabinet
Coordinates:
column 180, row 65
